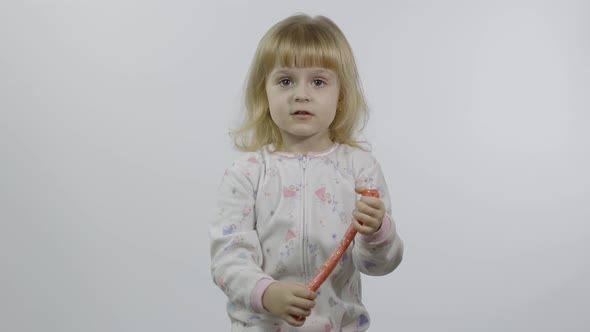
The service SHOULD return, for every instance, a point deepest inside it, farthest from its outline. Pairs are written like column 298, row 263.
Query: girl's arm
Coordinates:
column 236, row 255
column 381, row 252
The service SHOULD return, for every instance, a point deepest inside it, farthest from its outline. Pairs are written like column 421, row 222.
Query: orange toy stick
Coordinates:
column 330, row 263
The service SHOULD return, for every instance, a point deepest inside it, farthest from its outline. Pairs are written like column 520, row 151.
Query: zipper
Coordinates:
column 303, row 160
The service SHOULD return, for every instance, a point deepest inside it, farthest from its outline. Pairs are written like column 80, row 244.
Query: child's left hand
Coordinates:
column 368, row 214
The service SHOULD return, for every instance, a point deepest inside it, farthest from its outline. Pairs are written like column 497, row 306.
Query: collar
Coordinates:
column 284, row 154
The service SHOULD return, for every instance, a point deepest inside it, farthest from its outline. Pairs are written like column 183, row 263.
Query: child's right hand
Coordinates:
column 290, row 301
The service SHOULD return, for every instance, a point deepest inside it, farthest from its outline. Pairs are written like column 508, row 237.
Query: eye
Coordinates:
column 319, row 82
column 285, row 82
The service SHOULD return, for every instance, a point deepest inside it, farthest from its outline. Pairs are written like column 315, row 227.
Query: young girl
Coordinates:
column 285, row 205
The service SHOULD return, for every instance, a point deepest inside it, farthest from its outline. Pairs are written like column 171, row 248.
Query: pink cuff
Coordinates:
column 381, row 234
column 257, row 292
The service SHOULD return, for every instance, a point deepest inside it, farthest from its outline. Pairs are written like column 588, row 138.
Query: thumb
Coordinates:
column 359, row 190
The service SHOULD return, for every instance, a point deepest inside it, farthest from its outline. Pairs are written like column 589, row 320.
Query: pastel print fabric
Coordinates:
column 279, row 217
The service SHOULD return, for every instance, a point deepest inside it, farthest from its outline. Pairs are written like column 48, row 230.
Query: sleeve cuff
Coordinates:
column 381, row 234
column 257, row 292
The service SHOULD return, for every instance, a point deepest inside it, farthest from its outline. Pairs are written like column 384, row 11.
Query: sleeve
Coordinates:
column 381, row 252
column 236, row 255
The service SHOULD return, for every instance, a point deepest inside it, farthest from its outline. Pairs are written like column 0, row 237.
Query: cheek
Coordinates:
column 275, row 114
column 334, row 97
column 275, row 106
column 333, row 103
column 274, row 99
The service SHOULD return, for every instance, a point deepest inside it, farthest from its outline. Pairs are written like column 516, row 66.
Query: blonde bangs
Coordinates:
column 301, row 46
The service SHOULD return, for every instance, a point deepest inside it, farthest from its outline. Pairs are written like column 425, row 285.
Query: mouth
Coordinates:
column 301, row 115
column 301, row 112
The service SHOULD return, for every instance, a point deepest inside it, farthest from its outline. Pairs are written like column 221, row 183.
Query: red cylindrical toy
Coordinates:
column 330, row 263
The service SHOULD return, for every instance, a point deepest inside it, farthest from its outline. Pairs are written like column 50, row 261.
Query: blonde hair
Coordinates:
column 301, row 41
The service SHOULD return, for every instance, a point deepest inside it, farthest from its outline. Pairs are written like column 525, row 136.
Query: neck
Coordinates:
column 305, row 147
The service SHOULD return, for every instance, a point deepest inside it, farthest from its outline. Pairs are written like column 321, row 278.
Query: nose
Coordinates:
column 301, row 94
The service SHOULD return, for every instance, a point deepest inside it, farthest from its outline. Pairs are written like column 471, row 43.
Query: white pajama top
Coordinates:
column 279, row 217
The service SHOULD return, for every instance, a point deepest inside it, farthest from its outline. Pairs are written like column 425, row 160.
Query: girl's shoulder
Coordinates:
column 355, row 154
column 246, row 164
column 247, row 160
column 360, row 162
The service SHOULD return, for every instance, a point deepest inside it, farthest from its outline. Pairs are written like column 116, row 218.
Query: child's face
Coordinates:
column 303, row 104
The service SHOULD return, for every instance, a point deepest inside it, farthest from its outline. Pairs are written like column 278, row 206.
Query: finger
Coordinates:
column 361, row 228
column 366, row 209
column 294, row 321
column 372, row 203
column 359, row 190
column 368, row 212
column 303, row 304
column 305, row 293
column 298, row 312
column 364, row 219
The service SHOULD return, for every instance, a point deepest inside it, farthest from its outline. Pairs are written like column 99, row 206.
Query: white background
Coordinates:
column 113, row 140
